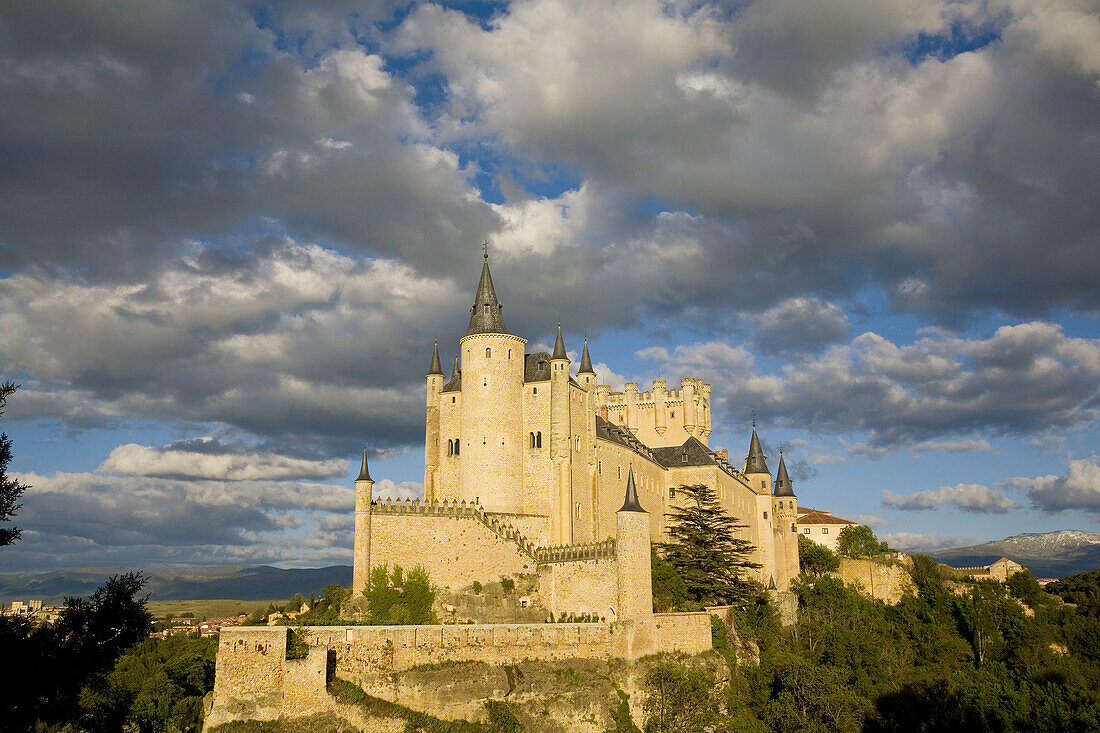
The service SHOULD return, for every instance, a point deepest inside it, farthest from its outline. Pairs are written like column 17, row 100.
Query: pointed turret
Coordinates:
column 631, row 503
column 455, row 370
column 559, row 347
column 755, row 461
column 436, row 367
column 783, row 486
column 364, row 474
column 486, row 314
column 586, row 361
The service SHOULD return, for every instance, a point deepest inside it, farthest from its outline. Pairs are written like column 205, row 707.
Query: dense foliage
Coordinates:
column 10, row 489
column 705, row 550
column 960, row 654
column 859, row 541
column 49, row 669
column 395, row 597
column 815, row 559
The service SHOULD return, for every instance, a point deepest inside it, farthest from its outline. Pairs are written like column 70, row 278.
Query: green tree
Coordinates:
column 680, row 699
column 669, row 591
column 814, row 558
column 859, row 541
column 397, row 598
column 706, row 551
column 10, row 489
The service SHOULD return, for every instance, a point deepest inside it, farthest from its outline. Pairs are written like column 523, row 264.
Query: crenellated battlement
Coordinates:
column 574, row 553
column 445, row 508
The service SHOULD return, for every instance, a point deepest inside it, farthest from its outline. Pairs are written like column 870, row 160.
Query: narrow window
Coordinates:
column 488, row 353
column 456, row 447
column 683, row 458
column 509, row 353
column 763, row 483
column 534, row 390
column 450, row 447
column 765, row 515
column 532, row 440
column 452, row 400
column 541, row 365
column 672, row 414
column 484, row 441
column 484, row 381
column 578, row 510
column 620, row 471
column 824, row 530
column 806, row 531
column 671, row 492
column 599, row 467
column 538, row 439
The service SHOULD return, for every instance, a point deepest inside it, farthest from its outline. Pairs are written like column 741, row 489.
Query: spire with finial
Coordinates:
column 486, row 314
column 455, row 370
column 755, row 461
column 559, row 346
column 586, row 360
column 436, row 367
column 364, row 474
column 783, row 485
column 631, row 503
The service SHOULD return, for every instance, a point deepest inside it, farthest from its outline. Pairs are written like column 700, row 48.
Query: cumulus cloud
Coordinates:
column 968, row 497
column 918, row 542
column 1078, row 488
column 1021, row 380
column 798, row 325
column 168, row 462
column 139, row 520
column 871, row 520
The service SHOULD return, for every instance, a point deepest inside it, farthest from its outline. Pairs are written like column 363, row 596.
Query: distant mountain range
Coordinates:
column 1047, row 555
column 237, row 582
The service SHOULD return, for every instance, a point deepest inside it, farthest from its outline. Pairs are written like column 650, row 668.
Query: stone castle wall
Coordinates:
column 886, row 581
column 255, row 681
column 587, row 586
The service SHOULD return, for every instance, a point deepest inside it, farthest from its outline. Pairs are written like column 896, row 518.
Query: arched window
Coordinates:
column 456, row 446
column 450, row 447
column 538, row 439
column 532, row 440
column 488, row 353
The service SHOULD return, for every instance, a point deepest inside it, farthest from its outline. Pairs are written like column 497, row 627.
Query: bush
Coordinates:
column 396, row 599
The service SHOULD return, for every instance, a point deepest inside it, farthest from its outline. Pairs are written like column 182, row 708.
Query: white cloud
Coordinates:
column 917, row 542
column 968, row 497
column 1078, row 489
column 139, row 460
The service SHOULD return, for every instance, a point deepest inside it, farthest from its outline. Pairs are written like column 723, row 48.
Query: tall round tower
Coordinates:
column 491, row 461
column 431, row 426
column 785, row 508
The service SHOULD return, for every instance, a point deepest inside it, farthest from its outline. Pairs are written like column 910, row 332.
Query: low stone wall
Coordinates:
column 687, row 633
column 577, row 587
column 887, row 581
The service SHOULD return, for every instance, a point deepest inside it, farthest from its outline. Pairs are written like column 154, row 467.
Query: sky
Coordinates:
column 230, row 231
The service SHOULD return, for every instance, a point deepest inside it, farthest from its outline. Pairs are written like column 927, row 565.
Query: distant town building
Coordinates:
column 998, row 570
column 820, row 526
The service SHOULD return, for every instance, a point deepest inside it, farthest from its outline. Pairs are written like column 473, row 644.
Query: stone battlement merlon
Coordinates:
column 574, row 553
column 456, row 509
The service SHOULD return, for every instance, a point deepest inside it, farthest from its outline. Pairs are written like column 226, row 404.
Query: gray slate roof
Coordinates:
column 486, row 314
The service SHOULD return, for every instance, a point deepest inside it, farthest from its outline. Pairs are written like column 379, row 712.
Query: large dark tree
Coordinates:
column 10, row 489
column 706, row 550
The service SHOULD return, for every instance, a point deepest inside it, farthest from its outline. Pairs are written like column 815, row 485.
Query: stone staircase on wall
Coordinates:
column 503, row 530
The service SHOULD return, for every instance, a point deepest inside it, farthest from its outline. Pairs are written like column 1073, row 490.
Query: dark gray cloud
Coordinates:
column 799, row 325
column 931, row 395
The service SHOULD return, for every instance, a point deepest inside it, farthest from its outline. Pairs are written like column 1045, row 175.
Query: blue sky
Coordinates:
column 230, row 231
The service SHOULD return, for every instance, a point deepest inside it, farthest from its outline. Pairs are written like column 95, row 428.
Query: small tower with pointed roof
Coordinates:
column 561, row 443
column 756, row 466
column 632, row 558
column 490, row 463
column 785, row 511
column 364, row 491
column 431, row 425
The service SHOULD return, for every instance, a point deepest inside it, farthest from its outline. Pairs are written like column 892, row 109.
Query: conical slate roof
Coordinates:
column 755, row 462
column 586, row 361
column 364, row 474
column 783, row 486
column 436, row 367
column 455, row 370
column 486, row 313
column 559, row 347
column 631, row 504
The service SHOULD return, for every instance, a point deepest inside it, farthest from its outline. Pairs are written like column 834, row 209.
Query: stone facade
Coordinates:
column 887, row 580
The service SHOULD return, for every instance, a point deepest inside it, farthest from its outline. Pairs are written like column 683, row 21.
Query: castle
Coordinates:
column 519, row 441
column 529, row 471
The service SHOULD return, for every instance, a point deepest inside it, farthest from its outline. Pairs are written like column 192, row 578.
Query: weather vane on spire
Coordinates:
column 754, row 419
column 485, row 248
